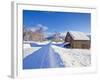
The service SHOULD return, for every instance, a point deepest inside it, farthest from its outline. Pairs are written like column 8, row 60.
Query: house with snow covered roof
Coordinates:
column 77, row 39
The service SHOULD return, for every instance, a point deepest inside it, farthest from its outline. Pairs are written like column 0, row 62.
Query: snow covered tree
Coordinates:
column 36, row 33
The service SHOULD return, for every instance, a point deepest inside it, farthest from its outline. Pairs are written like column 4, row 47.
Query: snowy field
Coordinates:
column 52, row 55
column 74, row 57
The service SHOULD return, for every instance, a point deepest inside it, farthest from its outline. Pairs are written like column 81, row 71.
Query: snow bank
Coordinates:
column 36, row 44
column 27, row 46
column 74, row 57
column 28, row 51
column 44, row 42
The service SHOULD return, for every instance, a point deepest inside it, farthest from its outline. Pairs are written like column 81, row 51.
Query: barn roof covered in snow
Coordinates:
column 76, row 35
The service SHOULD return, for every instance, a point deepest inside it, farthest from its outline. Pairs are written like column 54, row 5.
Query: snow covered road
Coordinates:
column 45, row 57
column 52, row 56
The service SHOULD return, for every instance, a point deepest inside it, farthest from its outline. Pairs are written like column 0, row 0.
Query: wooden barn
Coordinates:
column 78, row 40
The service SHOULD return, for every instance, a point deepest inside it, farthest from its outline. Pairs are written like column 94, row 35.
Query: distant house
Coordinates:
column 78, row 40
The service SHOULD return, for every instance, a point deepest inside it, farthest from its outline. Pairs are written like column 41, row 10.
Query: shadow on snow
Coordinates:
column 45, row 57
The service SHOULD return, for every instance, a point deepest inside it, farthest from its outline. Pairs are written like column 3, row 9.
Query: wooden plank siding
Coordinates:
column 80, row 44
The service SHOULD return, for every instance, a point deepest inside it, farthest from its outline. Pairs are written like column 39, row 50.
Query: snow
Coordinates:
column 41, row 44
column 38, row 43
column 74, row 57
column 27, row 45
column 45, row 57
column 51, row 55
column 60, row 44
column 76, row 35
column 28, row 51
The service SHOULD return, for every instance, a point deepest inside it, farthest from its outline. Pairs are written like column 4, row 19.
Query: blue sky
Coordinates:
column 57, row 21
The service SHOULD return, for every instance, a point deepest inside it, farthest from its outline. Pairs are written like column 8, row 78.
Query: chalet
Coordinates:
column 78, row 40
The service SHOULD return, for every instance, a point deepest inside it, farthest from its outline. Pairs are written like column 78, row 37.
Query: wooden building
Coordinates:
column 78, row 40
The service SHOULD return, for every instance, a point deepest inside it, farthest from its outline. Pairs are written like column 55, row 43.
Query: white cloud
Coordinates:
column 34, row 28
column 42, row 26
